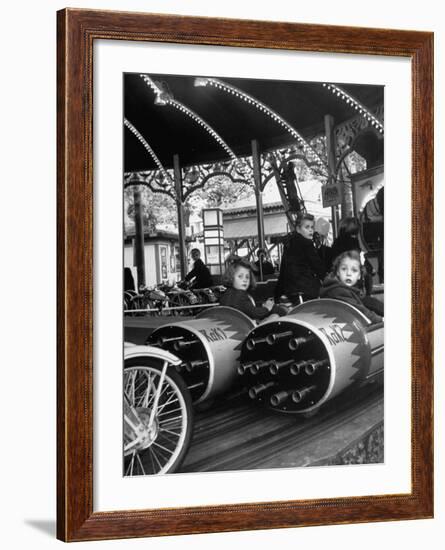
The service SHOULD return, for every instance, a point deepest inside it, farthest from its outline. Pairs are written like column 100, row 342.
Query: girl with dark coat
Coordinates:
column 341, row 284
column 240, row 280
column 301, row 267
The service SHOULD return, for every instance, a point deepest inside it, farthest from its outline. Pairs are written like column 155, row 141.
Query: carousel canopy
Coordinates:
column 168, row 130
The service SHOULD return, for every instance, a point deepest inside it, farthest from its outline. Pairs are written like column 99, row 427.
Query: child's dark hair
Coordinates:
column 301, row 216
column 348, row 226
column 352, row 255
column 233, row 263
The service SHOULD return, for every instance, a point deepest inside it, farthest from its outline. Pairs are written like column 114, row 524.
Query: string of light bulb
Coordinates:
column 362, row 110
column 153, row 155
column 219, row 84
column 163, row 98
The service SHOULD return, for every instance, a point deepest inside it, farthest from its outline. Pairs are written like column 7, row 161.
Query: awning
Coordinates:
column 169, row 131
column 243, row 228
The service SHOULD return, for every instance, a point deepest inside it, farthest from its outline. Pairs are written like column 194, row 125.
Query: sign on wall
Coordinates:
column 331, row 194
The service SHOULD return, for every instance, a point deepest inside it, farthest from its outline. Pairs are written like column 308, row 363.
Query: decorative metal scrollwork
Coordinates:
column 153, row 179
column 347, row 132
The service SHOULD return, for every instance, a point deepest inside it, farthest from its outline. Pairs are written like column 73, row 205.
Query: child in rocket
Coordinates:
column 240, row 280
column 341, row 284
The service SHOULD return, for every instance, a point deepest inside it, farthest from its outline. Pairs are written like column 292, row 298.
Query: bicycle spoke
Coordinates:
column 171, row 422
column 132, row 463
column 170, row 400
column 170, row 432
column 142, row 390
column 176, row 429
column 130, row 444
column 142, row 466
column 170, row 412
column 153, row 454
column 160, row 396
column 167, row 421
column 130, row 423
column 146, row 385
column 130, row 387
column 171, row 436
column 127, row 469
column 147, row 392
column 169, row 442
column 163, row 448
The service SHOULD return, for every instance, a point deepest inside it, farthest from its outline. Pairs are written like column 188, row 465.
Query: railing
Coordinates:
column 167, row 309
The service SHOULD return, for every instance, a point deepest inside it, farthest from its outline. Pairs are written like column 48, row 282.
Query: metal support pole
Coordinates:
column 256, row 158
column 181, row 220
column 139, row 248
column 331, row 148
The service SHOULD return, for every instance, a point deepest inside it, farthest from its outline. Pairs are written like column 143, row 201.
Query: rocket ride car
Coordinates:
column 208, row 347
column 293, row 364
column 320, row 349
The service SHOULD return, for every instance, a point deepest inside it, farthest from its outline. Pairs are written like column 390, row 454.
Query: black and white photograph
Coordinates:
column 201, row 365
column 253, row 274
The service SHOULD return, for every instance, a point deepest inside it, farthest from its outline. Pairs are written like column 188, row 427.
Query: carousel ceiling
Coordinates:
column 169, row 129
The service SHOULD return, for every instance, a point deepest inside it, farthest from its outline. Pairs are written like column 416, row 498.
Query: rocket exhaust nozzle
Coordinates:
column 297, row 367
column 253, row 342
column 260, row 388
column 276, row 366
column 162, row 340
column 298, row 342
column 191, row 365
column 280, row 397
column 312, row 366
column 244, row 366
column 299, row 395
column 257, row 366
column 178, row 346
column 277, row 336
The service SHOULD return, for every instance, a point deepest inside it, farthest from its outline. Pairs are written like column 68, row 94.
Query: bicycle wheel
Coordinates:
column 154, row 445
column 129, row 296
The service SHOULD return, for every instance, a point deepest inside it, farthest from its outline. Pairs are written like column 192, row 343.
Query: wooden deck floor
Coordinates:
column 234, row 434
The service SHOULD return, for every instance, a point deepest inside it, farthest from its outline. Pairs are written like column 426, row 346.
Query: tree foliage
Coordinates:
column 219, row 191
column 157, row 208
column 160, row 209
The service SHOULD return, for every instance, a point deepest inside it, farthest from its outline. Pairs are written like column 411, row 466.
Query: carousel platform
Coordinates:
column 234, row 434
column 137, row 329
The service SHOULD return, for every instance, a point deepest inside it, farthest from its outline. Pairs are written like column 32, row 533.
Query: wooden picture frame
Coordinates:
column 77, row 31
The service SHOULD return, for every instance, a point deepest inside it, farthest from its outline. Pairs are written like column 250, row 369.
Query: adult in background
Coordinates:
column 266, row 266
column 200, row 275
column 301, row 268
column 347, row 238
column 324, row 251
